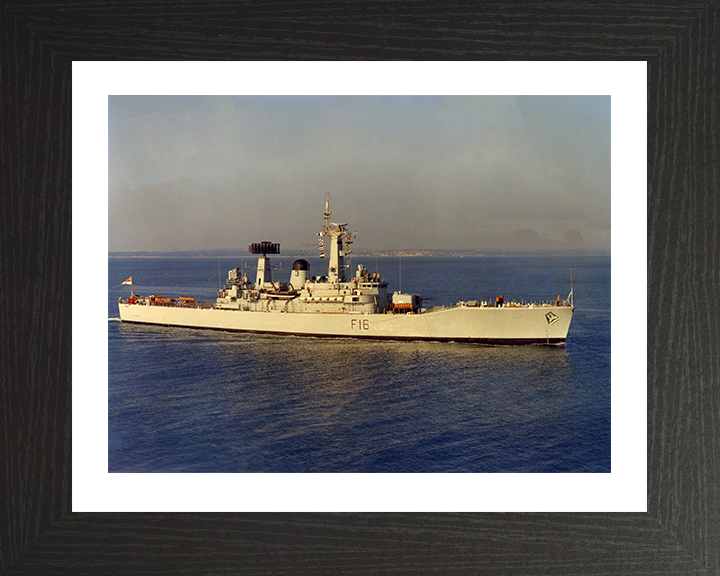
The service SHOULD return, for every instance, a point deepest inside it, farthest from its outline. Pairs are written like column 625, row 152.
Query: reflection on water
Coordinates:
column 247, row 403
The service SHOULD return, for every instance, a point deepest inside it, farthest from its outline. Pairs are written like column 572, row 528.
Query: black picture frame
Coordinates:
column 680, row 532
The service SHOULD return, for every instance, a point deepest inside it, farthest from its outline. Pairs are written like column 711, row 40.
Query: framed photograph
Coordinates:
column 69, row 512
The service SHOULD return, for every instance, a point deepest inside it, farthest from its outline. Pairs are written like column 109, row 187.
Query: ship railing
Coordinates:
column 196, row 304
column 533, row 304
column 506, row 304
column 200, row 305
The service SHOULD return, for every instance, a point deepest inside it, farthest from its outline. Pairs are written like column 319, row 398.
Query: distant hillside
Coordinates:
column 364, row 254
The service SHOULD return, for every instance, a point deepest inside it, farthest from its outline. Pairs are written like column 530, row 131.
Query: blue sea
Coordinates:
column 183, row 400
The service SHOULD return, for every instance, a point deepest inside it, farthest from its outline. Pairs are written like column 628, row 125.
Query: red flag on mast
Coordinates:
column 128, row 281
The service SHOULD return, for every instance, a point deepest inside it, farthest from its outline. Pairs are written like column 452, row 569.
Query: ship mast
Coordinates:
column 336, row 232
column 327, row 209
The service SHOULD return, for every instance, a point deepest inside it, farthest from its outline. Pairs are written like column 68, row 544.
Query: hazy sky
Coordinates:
column 199, row 173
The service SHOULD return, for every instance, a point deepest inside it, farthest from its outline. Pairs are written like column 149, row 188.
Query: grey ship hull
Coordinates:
column 489, row 325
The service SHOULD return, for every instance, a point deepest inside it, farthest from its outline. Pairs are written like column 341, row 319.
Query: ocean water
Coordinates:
column 183, row 400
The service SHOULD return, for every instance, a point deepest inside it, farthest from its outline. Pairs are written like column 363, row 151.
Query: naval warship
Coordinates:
column 360, row 306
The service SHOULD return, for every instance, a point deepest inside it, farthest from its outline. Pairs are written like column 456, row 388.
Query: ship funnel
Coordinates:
column 299, row 274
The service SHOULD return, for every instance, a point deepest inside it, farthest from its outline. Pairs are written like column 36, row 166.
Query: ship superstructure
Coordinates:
column 335, row 305
column 364, row 293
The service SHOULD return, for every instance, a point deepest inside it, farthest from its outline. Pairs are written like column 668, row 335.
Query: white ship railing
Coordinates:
column 506, row 304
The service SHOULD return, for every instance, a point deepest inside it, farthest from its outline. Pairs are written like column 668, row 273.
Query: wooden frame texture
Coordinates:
column 681, row 530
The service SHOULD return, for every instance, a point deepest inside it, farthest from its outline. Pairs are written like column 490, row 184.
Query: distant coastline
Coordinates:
column 365, row 254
